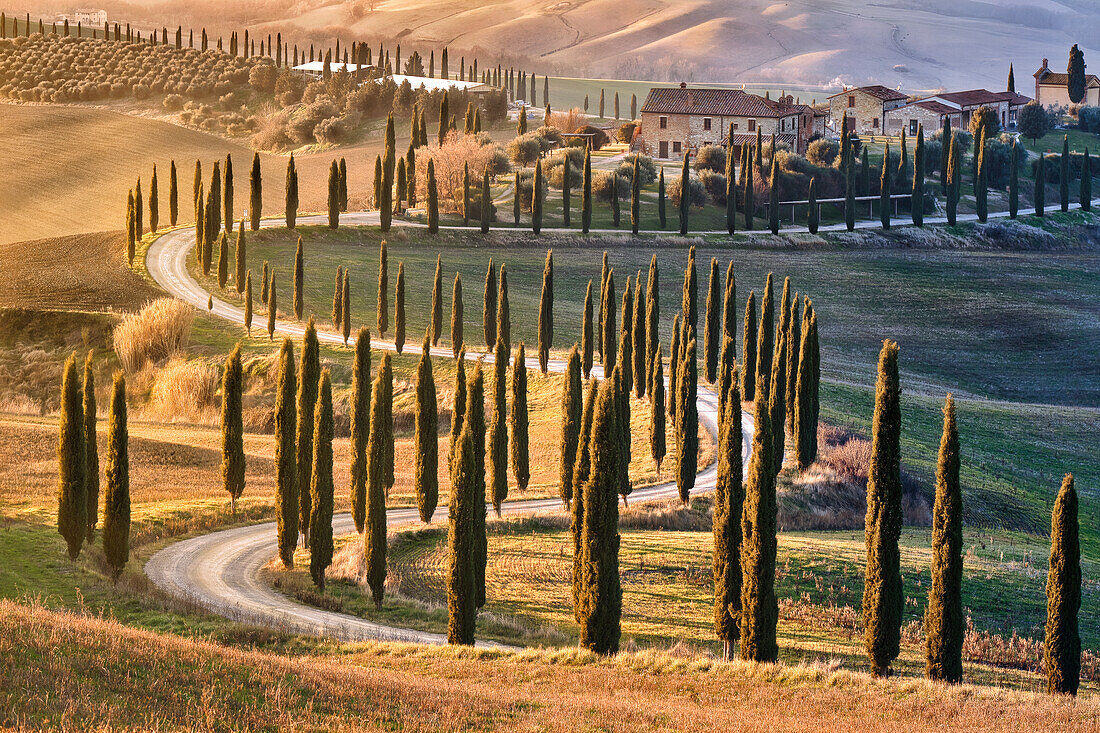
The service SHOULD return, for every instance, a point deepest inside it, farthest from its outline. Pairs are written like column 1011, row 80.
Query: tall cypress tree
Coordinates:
column 727, row 373
column 286, row 472
column 72, row 508
column 291, row 193
column 223, row 260
column 601, row 595
column 233, row 428
column 580, row 478
column 953, row 182
column 587, row 335
column 794, row 349
column 489, row 306
column 571, row 409
column 504, row 311
column 777, row 395
column 256, row 193
column 713, row 325
column 399, row 309
column 265, row 282
column 383, row 310
column 227, row 195
column 248, row 302
column 687, row 419
column 759, row 607
column 638, row 359
column 154, row 201
column 240, row 260
column 626, row 333
column 1063, row 174
column 943, row 619
column 652, row 318
column 635, row 199
column 139, row 206
column 605, row 269
column 299, row 281
column 729, row 499
column 748, row 376
column 546, row 312
column 321, row 487
column 426, row 428
column 173, row 195
column 360, row 427
column 345, row 309
column 433, row 199
column 662, row 214
column 475, row 420
column 586, row 193
column 566, row 186
column 1062, row 645
column 750, row 192
column 458, row 408
column 813, row 216
column 917, row 204
column 675, row 345
column 498, row 430
column 685, row 194
column 462, row 544
column 981, row 183
column 272, row 308
column 333, row 196
column 731, row 183
column 486, row 204
column 456, row 315
column 436, row 328
column 657, row 410
column 850, row 191
column 883, row 596
column 885, row 187
column 537, row 196
column 309, row 373
column 520, row 450
column 765, row 339
column 116, row 499
column 773, row 194
column 91, row 448
column 690, row 298
column 608, row 333
column 374, row 536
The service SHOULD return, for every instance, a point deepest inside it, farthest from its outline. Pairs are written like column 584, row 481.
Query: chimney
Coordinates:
column 683, row 84
column 1044, row 65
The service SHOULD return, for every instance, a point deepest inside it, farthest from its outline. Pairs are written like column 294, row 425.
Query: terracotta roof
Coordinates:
column 886, row 94
column 1013, row 98
column 717, row 102
column 971, row 97
column 933, row 106
column 750, row 139
column 1050, row 78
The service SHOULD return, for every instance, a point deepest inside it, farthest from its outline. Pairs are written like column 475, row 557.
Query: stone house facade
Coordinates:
column 1051, row 89
column 679, row 120
column 926, row 112
column 865, row 108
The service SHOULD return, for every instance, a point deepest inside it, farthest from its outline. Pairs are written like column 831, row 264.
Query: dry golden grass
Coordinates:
column 159, row 331
column 63, row 671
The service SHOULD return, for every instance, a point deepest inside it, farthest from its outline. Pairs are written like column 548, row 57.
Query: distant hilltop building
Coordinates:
column 879, row 110
column 1051, row 88
column 684, row 119
column 89, row 17
column 865, row 108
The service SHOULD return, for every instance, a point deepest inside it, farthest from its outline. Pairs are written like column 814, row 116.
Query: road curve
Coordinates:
column 220, row 572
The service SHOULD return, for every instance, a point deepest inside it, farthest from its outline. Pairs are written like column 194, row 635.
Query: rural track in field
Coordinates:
column 221, row 573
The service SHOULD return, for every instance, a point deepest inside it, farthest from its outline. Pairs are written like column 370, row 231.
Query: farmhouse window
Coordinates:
column 752, row 125
column 874, row 123
column 851, row 100
column 664, row 123
column 676, row 146
column 706, row 123
column 913, row 124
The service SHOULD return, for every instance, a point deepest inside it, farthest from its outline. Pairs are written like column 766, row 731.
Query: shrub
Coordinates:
column 450, row 161
column 525, row 149
column 600, row 138
column 160, row 330
column 184, row 389
column 647, row 169
column 173, row 102
column 551, row 134
column 569, row 119
column 602, row 184
column 822, row 152
column 331, row 130
column 625, row 133
column 1088, row 119
column 715, row 185
column 711, row 158
column 262, row 77
column 697, row 194
column 963, row 139
column 527, row 186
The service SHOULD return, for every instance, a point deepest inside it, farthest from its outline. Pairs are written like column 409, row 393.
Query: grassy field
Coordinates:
column 1052, row 142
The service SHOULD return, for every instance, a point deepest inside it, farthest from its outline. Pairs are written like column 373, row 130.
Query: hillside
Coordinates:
column 914, row 43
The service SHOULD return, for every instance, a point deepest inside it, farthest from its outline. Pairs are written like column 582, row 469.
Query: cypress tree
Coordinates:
column 813, row 217
column 731, row 185
column 256, row 193
column 580, row 479
column 342, row 186
column 240, row 259
column 729, row 498
column 1041, row 185
column 601, row 596
column 321, row 488
column 918, row 179
column 566, row 185
column 456, row 316
column 883, row 596
column 759, row 607
column 690, row 298
column 265, row 281
column 271, row 308
column 765, row 345
column 981, row 185
column 794, row 349
column 537, row 196
column 248, row 301
column 748, row 344
column 571, row 409
column 1085, row 195
column 139, row 206
column 1063, row 174
column 475, row 420
column 657, row 410
column 173, row 195
column 462, row 544
column 638, row 339
column 333, row 196
column 674, row 365
column 389, row 161
column 72, row 508
column 943, row 619
column 504, row 311
column 635, row 199
column 626, row 343
column 433, row 199
column 374, row 535
column 309, row 373
column 953, row 182
column 116, row 500
column 299, row 278
column 227, row 196
column 713, row 325
column 605, row 269
column 607, row 319
column 498, row 430
column 92, row 449
column 750, row 191
column 399, row 309
column 360, row 427
column 662, row 214
column 437, row 302
column 587, row 336
column 383, row 287
column 233, row 428
column 426, row 420
column 223, row 260
column 687, row 419
column 515, row 199
column 727, row 372
column 486, row 203
column 154, row 201
column 291, row 193
column 466, row 194
column 489, row 306
column 773, row 196
column 586, row 193
column 345, row 309
column 685, row 194
column 652, row 317
column 945, row 151
column 458, row 409
column 777, row 394
column 546, row 312
column 1062, row 646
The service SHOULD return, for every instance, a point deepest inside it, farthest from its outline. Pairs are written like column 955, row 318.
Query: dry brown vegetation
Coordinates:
column 158, row 331
column 62, row 670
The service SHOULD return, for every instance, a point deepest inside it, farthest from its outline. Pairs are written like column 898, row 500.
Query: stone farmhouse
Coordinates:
column 1051, row 90
column 684, row 119
column 865, row 108
column 958, row 107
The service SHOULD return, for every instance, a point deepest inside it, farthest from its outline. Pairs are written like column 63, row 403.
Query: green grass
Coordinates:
column 1052, row 142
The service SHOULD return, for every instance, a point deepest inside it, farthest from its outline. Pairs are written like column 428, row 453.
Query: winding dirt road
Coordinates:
column 220, row 572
